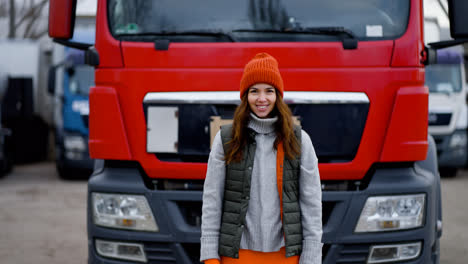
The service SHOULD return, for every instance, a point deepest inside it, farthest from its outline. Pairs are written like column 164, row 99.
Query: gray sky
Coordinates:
column 432, row 9
column 86, row 7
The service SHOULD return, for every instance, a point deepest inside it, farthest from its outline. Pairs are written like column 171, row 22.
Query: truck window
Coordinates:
column 81, row 79
column 443, row 78
column 145, row 20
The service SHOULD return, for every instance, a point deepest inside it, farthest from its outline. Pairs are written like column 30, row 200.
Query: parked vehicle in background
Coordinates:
column 448, row 117
column 167, row 74
column 25, row 107
column 6, row 159
column 69, row 82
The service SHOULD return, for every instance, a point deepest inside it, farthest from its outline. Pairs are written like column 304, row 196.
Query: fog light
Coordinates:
column 120, row 250
column 73, row 155
column 390, row 253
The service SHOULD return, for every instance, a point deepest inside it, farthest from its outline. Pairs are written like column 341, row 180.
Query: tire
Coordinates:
column 67, row 173
column 448, row 172
column 64, row 173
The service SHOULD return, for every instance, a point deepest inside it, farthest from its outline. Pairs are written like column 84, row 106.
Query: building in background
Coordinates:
column 26, row 53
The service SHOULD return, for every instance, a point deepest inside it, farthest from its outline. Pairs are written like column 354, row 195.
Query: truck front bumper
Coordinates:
column 343, row 245
column 80, row 164
column 178, row 213
column 73, row 157
column 452, row 149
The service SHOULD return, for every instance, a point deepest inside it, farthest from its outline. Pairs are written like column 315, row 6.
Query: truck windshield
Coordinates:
column 443, row 78
column 253, row 20
column 81, row 79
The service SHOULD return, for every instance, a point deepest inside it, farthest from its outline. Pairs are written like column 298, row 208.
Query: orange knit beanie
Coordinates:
column 263, row 68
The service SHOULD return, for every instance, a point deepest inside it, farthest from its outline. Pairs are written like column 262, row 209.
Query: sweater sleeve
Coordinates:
column 212, row 201
column 310, row 200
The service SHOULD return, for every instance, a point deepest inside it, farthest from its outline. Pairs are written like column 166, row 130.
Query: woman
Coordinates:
column 262, row 194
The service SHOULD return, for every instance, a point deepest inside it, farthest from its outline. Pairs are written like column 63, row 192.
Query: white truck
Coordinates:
column 26, row 106
column 448, row 117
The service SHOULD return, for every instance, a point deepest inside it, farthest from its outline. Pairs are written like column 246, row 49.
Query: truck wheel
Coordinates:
column 64, row 173
column 448, row 172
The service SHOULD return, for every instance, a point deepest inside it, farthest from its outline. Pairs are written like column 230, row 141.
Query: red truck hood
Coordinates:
column 235, row 55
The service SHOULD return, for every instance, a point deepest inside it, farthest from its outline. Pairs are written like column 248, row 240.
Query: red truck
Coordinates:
column 167, row 75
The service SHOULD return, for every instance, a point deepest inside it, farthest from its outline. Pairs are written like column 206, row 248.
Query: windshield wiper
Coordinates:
column 348, row 38
column 184, row 33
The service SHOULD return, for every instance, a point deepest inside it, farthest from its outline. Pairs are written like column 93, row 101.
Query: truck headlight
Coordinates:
column 123, row 211
column 458, row 139
column 74, row 143
column 386, row 213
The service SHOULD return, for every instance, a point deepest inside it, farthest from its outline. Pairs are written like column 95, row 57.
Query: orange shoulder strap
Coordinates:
column 279, row 174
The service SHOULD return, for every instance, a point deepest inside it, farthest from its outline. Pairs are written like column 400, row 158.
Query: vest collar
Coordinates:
column 262, row 125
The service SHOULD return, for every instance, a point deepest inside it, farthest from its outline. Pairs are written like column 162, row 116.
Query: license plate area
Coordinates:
column 184, row 132
column 162, row 129
column 334, row 121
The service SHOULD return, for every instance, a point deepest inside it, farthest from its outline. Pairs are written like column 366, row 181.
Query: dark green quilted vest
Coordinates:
column 236, row 199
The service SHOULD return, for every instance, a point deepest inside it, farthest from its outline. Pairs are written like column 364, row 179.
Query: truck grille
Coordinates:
column 170, row 252
column 85, row 119
column 193, row 251
column 335, row 127
column 353, row 254
column 159, row 253
column 327, row 209
column 439, row 119
column 191, row 211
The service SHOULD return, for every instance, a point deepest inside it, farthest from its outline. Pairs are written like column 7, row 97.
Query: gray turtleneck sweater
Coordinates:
column 263, row 230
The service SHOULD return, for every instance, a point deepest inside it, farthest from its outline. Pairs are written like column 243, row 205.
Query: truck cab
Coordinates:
column 448, row 109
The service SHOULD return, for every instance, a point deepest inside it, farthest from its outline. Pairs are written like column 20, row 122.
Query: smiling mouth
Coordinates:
column 262, row 107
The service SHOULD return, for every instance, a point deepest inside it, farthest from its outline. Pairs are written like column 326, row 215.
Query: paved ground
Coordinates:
column 43, row 219
column 454, row 243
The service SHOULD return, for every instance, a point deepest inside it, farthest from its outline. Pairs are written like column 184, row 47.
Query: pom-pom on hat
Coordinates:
column 263, row 68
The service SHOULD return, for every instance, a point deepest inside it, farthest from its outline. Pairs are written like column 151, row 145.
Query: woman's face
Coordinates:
column 262, row 98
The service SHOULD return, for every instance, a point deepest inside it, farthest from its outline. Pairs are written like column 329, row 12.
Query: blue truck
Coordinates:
column 69, row 82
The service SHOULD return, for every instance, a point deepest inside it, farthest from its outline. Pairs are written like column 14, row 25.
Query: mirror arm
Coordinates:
column 429, row 56
column 73, row 44
column 447, row 43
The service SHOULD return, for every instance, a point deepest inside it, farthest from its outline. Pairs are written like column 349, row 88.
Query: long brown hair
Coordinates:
column 283, row 128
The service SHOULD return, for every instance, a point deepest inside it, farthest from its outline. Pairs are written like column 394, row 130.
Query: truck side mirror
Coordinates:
column 61, row 18
column 458, row 18
column 51, row 80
